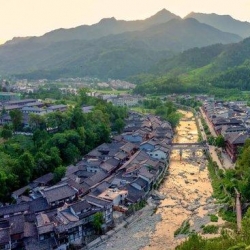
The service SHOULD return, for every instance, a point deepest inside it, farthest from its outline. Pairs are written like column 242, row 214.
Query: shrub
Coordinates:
column 210, row 229
column 213, row 218
column 183, row 229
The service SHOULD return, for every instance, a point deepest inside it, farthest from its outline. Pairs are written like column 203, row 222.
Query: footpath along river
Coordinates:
column 187, row 191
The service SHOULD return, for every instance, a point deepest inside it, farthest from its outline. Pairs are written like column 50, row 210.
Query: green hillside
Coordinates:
column 210, row 69
column 107, row 49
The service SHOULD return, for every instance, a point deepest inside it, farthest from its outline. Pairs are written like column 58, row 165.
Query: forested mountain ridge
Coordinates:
column 178, row 35
column 200, row 70
column 215, row 58
column 99, row 51
column 223, row 22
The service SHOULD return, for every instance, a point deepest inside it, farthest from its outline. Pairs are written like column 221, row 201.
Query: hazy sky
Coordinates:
column 36, row 17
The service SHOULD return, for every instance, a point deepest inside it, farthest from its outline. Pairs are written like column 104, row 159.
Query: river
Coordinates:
column 187, row 190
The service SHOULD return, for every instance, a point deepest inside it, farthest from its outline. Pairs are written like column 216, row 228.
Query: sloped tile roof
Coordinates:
column 59, row 192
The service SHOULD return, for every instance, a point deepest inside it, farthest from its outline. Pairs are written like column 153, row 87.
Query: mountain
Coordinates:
column 108, row 49
column 107, row 26
column 178, row 35
column 189, row 60
column 16, row 40
column 223, row 22
column 216, row 58
column 163, row 16
column 216, row 69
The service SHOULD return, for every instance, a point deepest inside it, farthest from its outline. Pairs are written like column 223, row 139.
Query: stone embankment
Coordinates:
column 134, row 233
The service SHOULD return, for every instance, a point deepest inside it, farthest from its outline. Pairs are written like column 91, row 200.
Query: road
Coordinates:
column 211, row 128
column 226, row 161
column 212, row 150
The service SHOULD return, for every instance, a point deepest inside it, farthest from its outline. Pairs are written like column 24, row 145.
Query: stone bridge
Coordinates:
column 193, row 147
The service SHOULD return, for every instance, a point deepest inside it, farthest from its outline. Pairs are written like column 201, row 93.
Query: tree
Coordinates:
column 6, row 133
column 77, row 118
column 220, row 141
column 244, row 161
column 211, row 140
column 119, row 125
column 55, row 159
column 3, row 179
column 83, row 96
column 174, row 119
column 103, row 132
column 3, row 112
column 40, row 137
column 97, row 222
column 16, row 118
column 43, row 164
column 24, row 168
column 37, row 121
column 71, row 153
column 59, row 173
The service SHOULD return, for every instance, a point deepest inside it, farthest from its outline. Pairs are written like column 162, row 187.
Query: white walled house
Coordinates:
column 160, row 153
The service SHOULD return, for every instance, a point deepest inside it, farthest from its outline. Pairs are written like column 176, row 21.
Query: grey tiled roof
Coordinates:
column 46, row 228
column 141, row 182
column 33, row 243
column 237, row 138
column 128, row 147
column 45, row 178
column 21, row 191
column 107, row 167
column 97, row 201
column 59, row 192
column 39, row 205
column 80, row 206
column 17, row 224
column 30, row 229
column 100, row 188
column 4, row 232
column 134, row 194
column 15, row 208
column 99, row 176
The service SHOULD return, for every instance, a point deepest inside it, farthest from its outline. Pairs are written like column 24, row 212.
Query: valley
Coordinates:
column 123, row 129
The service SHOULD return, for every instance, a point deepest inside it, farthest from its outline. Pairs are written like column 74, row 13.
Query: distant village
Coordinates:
column 68, row 85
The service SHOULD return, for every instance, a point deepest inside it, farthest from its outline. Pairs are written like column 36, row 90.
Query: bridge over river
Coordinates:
column 193, row 147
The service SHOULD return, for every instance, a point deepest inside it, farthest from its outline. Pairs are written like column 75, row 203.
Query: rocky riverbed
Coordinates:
column 135, row 235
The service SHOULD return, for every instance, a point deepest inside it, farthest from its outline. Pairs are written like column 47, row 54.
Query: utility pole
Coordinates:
column 238, row 210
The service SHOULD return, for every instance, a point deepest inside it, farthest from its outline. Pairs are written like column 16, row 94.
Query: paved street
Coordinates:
column 226, row 161
column 215, row 157
column 208, row 123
